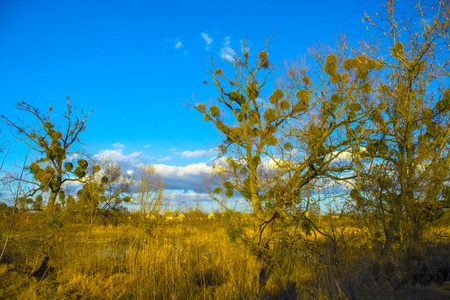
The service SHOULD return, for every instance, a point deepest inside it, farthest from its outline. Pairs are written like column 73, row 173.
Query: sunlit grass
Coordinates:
column 194, row 259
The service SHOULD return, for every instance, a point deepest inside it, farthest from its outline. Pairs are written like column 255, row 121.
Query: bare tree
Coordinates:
column 150, row 189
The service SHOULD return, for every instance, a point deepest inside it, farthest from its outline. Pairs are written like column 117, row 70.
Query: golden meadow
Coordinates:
column 132, row 256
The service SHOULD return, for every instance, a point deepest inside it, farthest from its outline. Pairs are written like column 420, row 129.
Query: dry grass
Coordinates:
column 194, row 259
column 153, row 259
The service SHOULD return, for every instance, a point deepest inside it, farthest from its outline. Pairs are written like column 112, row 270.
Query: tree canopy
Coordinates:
column 58, row 147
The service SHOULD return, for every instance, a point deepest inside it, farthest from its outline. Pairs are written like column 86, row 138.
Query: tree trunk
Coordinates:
column 51, row 202
column 392, row 231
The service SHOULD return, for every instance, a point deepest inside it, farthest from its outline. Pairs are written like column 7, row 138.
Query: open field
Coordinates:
column 138, row 258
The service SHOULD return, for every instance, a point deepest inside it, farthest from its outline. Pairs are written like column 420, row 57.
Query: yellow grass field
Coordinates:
column 142, row 258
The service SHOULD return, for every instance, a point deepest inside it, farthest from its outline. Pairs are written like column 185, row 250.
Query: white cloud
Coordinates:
column 178, row 44
column 273, row 163
column 183, row 178
column 187, row 177
column 226, row 52
column 342, row 156
column 72, row 157
column 193, row 154
column 118, row 145
column 192, row 169
column 117, row 155
column 72, row 185
column 207, row 39
column 165, row 158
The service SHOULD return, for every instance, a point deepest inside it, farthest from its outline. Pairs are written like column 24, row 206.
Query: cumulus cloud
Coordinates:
column 178, row 44
column 72, row 185
column 183, row 178
column 193, row 154
column 117, row 155
column 188, row 177
column 207, row 39
column 226, row 52
column 192, row 169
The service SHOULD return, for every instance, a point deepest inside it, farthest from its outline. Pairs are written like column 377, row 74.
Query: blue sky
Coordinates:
column 136, row 63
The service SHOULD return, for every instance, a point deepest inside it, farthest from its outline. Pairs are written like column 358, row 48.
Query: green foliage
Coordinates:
column 237, row 97
column 444, row 104
column 397, row 50
column 80, row 172
column 376, row 117
column 96, row 168
column 271, row 140
column 263, row 59
column 83, row 163
column 222, row 127
column 229, row 193
column 361, row 73
column 104, row 180
column 62, row 197
column 366, row 88
column 303, row 97
column 214, row 111
column 284, row 104
column 68, row 167
column 37, row 205
column 35, row 168
column 24, row 201
column 227, row 184
column 355, row 106
column 349, row 64
column 270, row 115
column 234, row 134
column 201, row 107
column 252, row 90
column 241, row 116
column 335, row 99
column 276, row 96
column 232, row 163
column 206, row 117
column 255, row 160
column 331, row 65
column 446, row 95
column 327, row 108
